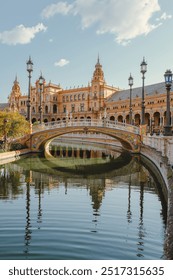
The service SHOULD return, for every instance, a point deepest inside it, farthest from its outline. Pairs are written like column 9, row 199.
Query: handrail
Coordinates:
column 88, row 123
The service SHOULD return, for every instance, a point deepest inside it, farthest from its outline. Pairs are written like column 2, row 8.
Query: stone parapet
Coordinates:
column 162, row 162
column 163, row 144
column 13, row 155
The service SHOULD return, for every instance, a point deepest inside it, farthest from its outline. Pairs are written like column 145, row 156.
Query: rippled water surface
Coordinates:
column 112, row 211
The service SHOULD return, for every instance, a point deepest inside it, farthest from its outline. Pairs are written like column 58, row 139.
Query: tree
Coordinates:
column 12, row 125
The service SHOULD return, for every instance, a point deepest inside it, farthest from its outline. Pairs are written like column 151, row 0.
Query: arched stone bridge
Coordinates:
column 128, row 135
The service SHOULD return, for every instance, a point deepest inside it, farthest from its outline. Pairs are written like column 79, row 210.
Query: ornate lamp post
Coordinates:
column 130, row 105
column 41, row 82
column 168, row 83
column 29, row 69
column 143, row 71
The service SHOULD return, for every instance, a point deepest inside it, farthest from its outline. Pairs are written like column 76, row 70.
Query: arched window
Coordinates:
column 46, row 109
column 54, row 109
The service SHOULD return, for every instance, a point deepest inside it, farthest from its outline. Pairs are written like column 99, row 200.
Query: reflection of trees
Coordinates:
column 10, row 185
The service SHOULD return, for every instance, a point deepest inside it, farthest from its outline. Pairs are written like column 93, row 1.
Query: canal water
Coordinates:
column 81, row 203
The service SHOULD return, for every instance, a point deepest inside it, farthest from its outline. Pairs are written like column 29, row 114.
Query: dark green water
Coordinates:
column 85, row 205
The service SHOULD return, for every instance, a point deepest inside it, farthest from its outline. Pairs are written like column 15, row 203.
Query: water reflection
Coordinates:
column 140, row 243
column 28, row 226
column 108, row 179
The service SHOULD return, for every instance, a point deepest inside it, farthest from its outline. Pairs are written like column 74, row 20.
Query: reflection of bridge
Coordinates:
column 128, row 135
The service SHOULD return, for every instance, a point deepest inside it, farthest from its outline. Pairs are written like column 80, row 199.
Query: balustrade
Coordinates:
column 93, row 123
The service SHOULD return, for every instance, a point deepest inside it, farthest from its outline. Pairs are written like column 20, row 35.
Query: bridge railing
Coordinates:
column 87, row 123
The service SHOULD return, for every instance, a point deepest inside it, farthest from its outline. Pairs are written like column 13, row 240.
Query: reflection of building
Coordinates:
column 96, row 100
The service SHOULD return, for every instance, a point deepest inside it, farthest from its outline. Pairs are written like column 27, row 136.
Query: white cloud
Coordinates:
column 164, row 16
column 62, row 62
column 53, row 9
column 21, row 34
column 125, row 19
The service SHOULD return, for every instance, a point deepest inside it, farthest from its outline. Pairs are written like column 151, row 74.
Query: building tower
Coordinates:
column 97, row 88
column 14, row 97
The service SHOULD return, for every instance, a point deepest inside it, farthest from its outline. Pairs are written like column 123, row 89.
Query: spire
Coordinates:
column 98, row 59
column 16, row 87
column 98, row 75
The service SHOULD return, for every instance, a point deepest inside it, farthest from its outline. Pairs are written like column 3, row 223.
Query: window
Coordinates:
column 72, row 108
column 54, row 109
column 82, row 107
column 46, row 109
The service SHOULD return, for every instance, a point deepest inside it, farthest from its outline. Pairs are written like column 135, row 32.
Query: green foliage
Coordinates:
column 12, row 125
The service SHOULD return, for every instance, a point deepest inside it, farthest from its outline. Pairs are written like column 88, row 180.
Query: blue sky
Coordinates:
column 64, row 38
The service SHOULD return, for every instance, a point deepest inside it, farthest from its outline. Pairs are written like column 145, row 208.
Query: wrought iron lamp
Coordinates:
column 168, row 83
column 41, row 83
column 130, row 105
column 29, row 69
column 143, row 71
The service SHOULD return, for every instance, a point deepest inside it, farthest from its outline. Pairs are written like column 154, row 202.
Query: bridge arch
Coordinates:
column 125, row 144
column 127, row 135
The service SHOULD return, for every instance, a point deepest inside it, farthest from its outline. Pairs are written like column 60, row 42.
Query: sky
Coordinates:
column 64, row 39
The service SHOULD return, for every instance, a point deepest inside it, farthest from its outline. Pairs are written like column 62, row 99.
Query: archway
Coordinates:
column 127, row 119
column 120, row 118
column 156, row 119
column 112, row 118
column 147, row 119
column 137, row 119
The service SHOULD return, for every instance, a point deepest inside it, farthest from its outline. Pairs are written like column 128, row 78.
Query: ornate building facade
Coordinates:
column 96, row 100
column 57, row 103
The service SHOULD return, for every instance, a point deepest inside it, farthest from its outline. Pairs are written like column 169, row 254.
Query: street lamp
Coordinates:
column 168, row 83
column 29, row 69
column 41, row 82
column 143, row 71
column 130, row 105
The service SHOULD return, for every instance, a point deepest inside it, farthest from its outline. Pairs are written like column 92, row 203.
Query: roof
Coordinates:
column 137, row 92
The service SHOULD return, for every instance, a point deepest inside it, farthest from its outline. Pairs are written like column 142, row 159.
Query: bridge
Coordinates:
column 128, row 135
